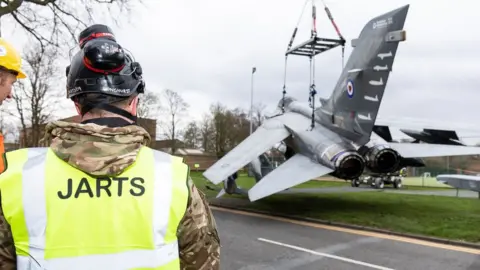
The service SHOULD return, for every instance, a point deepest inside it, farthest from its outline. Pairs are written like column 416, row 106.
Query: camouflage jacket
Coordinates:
column 199, row 242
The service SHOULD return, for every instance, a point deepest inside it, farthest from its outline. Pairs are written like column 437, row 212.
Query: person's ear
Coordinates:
column 77, row 107
column 133, row 105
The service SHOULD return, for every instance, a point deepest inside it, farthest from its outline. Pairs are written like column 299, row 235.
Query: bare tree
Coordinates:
column 207, row 134
column 258, row 115
column 230, row 127
column 175, row 107
column 35, row 97
column 220, row 125
column 7, row 128
column 149, row 105
column 56, row 22
column 192, row 135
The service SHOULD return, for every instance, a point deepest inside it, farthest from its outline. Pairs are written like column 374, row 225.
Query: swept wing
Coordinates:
column 296, row 170
column 459, row 181
column 410, row 150
column 417, row 123
column 266, row 136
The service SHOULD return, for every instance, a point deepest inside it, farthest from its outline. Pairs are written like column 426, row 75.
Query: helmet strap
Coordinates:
column 108, row 107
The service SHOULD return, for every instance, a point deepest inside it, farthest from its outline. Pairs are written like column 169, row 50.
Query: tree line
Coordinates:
column 217, row 132
column 222, row 128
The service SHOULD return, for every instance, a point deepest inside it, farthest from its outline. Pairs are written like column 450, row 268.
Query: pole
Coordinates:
column 448, row 164
column 251, row 100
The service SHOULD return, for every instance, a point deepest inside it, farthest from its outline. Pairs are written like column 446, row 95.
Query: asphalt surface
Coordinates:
column 251, row 242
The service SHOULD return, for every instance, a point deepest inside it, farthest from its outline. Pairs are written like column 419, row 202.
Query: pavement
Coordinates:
column 254, row 241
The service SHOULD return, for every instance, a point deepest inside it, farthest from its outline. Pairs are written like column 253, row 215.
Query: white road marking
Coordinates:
column 326, row 255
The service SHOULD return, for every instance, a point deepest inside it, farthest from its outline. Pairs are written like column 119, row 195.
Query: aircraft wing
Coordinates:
column 296, row 170
column 410, row 150
column 459, row 181
column 429, row 132
column 266, row 136
column 417, row 123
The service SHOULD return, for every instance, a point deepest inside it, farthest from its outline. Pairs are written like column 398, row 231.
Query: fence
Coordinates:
column 434, row 171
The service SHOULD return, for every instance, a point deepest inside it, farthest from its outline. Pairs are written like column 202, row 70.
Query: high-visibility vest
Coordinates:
column 66, row 219
column 2, row 157
column 2, row 144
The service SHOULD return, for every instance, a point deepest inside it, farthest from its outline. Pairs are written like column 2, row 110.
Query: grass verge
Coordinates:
column 444, row 217
column 243, row 181
column 437, row 216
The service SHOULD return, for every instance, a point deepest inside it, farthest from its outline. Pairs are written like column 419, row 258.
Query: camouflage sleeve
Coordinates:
column 198, row 238
column 7, row 247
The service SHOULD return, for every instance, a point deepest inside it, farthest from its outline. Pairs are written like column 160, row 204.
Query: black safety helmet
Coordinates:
column 103, row 67
column 95, row 31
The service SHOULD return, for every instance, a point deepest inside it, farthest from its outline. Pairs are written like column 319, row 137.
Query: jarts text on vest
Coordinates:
column 102, row 186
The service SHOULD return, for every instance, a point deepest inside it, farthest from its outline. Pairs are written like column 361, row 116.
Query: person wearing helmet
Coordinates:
column 95, row 31
column 98, row 197
column 10, row 69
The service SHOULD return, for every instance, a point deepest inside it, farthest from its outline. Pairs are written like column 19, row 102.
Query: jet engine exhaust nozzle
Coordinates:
column 349, row 165
column 382, row 159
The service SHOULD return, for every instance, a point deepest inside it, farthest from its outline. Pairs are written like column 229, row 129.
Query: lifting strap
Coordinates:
column 312, row 90
column 286, row 55
column 329, row 14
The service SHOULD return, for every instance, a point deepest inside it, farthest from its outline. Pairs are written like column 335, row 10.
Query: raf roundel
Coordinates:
column 350, row 88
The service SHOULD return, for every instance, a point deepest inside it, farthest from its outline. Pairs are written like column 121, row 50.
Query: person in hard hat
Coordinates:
column 403, row 172
column 98, row 197
column 10, row 69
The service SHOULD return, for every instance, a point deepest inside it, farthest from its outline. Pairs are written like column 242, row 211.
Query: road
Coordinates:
column 252, row 241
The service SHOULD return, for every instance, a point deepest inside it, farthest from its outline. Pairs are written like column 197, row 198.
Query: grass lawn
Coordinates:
column 445, row 217
column 438, row 216
column 409, row 183
column 243, row 181
column 426, row 182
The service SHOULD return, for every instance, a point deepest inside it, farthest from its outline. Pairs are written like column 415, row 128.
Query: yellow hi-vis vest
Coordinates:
column 67, row 220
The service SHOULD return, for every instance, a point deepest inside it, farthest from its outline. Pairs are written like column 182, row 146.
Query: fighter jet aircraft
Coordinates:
column 333, row 139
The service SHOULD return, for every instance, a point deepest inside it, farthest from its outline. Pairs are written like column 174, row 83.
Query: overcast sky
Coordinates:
column 205, row 50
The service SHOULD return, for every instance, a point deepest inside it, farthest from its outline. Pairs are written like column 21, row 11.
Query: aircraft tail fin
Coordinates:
column 356, row 98
column 323, row 102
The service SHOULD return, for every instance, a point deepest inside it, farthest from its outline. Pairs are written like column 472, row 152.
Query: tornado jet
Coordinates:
column 333, row 139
